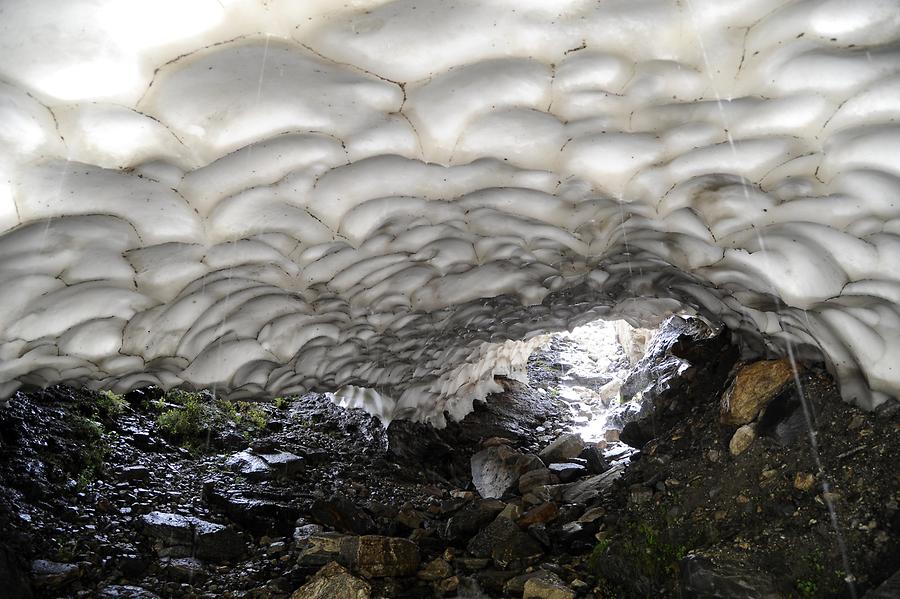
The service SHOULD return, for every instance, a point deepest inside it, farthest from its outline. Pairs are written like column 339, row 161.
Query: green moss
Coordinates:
column 281, row 403
column 644, row 552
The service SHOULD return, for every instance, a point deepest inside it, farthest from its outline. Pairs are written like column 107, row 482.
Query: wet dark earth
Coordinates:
column 185, row 495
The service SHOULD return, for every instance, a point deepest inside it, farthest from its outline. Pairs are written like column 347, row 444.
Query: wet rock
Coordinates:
column 565, row 446
column 594, row 459
column 754, row 386
column 742, row 439
column 701, row 579
column 322, row 548
column 259, row 516
column 133, row 473
column 304, row 531
column 497, row 469
column 568, row 471
column 249, row 465
column 546, row 585
column 186, row 536
column 261, row 466
column 622, row 414
column 588, row 488
column 333, row 581
column 592, row 515
column 636, row 434
column 184, row 569
column 116, row 591
column 341, row 514
column 52, row 575
column 633, row 341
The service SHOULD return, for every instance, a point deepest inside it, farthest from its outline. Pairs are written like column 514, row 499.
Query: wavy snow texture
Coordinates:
column 382, row 197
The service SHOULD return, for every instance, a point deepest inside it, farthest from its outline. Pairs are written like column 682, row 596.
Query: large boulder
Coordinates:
column 176, row 535
column 470, row 519
column 504, row 542
column 261, row 466
column 565, row 447
column 334, row 581
column 377, row 557
column 496, row 470
column 754, row 386
column 372, row 556
column 48, row 575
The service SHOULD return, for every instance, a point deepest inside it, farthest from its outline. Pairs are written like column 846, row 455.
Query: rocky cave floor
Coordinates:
column 183, row 495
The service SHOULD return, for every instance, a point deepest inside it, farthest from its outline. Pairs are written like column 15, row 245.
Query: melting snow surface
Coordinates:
column 381, row 197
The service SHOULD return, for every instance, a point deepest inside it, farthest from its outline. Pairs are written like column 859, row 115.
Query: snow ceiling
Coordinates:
column 266, row 197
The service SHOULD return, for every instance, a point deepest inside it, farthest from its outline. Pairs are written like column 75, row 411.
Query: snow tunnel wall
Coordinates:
column 267, row 197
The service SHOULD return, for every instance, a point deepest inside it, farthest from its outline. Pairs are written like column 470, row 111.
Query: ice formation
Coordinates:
column 382, row 197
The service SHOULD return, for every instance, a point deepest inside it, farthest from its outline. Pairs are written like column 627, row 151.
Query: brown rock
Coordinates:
column 535, row 478
column 378, row 556
column 538, row 515
column 742, row 439
column 547, row 586
column 436, row 569
column 372, row 556
column 804, row 481
column 447, row 585
column 333, row 581
column 753, row 388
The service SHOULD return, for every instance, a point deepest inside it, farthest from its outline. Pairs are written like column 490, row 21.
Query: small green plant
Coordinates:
column 806, row 588
column 251, row 415
column 281, row 403
column 109, row 404
column 91, row 457
column 192, row 419
column 186, row 422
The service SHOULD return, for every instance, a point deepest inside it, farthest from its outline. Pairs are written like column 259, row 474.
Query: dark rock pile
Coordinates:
column 316, row 502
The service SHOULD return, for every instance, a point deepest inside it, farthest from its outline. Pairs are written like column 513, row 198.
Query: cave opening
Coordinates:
column 281, row 286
